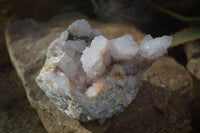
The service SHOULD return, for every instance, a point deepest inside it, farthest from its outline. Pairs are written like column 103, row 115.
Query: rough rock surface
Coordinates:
column 193, row 56
column 195, row 106
column 16, row 114
column 168, row 75
column 192, row 51
column 155, row 109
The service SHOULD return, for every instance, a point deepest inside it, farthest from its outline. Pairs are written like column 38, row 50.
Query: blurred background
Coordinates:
column 155, row 17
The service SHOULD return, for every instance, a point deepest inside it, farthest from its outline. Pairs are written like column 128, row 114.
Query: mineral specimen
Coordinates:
column 89, row 77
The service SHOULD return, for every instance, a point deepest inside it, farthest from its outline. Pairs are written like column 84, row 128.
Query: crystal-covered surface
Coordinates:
column 89, row 77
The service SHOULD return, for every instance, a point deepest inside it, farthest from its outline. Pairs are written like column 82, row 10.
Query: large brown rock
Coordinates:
column 155, row 109
column 192, row 51
column 167, row 73
column 16, row 114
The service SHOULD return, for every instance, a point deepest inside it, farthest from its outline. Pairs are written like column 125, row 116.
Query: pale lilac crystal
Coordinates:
column 89, row 77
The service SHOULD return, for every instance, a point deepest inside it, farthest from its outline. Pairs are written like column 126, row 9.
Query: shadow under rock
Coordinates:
column 16, row 114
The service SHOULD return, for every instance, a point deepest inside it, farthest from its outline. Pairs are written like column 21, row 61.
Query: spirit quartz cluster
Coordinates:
column 89, row 77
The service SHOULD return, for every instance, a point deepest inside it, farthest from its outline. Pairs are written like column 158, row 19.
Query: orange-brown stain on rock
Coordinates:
column 117, row 74
column 95, row 89
column 48, row 69
column 100, row 88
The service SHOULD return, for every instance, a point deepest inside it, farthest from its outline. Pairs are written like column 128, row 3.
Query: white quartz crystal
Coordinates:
column 153, row 48
column 123, row 48
column 94, row 57
column 89, row 77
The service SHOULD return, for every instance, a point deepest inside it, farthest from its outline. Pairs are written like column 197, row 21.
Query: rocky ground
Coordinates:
column 162, row 104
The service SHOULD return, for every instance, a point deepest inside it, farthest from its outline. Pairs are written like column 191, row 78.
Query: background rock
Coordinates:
column 195, row 106
column 192, row 51
column 193, row 56
column 16, row 114
column 167, row 73
column 155, row 109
